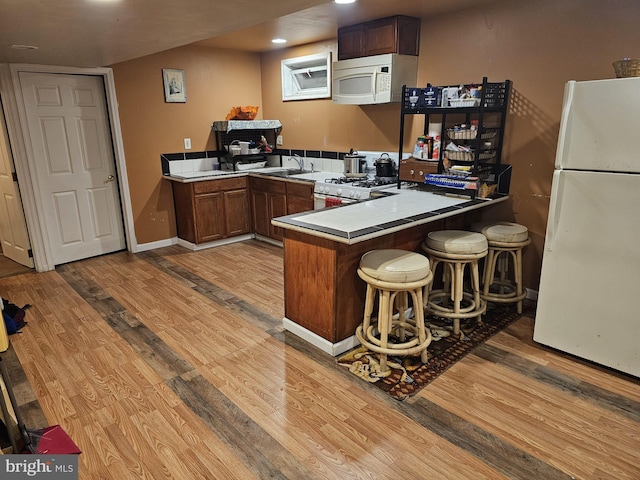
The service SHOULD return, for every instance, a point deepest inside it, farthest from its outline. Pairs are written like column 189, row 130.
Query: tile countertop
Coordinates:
column 357, row 222
column 198, row 176
column 187, row 177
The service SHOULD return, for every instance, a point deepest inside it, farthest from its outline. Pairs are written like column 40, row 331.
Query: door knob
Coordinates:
column 110, row 178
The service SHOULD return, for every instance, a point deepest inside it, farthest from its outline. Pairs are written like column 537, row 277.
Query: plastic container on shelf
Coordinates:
column 464, row 102
column 468, row 134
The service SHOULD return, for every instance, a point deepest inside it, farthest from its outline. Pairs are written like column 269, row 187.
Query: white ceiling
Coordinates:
column 92, row 33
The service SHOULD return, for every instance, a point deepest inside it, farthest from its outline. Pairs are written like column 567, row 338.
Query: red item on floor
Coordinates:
column 52, row 440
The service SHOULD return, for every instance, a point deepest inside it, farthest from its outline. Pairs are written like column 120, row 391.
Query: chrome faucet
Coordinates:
column 299, row 160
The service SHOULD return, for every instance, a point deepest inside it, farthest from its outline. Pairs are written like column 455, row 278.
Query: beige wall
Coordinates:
column 538, row 45
column 215, row 80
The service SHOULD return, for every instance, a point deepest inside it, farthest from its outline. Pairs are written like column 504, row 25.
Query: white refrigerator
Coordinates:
column 589, row 295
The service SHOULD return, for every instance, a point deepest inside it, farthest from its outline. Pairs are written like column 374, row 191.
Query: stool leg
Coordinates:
column 403, row 304
column 419, row 318
column 429, row 286
column 503, row 268
column 475, row 287
column 518, row 277
column 447, row 274
column 368, row 306
column 384, row 323
column 457, row 295
column 489, row 271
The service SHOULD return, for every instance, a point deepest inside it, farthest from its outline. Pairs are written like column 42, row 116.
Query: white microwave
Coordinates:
column 374, row 79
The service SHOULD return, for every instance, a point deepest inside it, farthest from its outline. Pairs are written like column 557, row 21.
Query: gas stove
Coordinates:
column 353, row 187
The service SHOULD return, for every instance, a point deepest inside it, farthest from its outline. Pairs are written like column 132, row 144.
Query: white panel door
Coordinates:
column 75, row 166
column 590, row 278
column 13, row 229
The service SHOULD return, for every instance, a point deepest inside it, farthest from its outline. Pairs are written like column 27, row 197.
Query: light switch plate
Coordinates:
column 187, row 144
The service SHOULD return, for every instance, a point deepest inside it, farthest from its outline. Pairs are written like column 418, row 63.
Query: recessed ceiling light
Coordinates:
column 24, row 47
column 342, row 2
column 278, row 40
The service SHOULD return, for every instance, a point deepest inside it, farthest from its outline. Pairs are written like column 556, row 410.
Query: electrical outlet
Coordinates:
column 279, row 140
column 187, row 144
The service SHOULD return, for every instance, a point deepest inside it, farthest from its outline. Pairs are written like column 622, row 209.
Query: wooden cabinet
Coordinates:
column 351, row 42
column 276, row 198
column 215, row 209
column 299, row 197
column 397, row 34
column 211, row 210
column 236, row 205
column 268, row 200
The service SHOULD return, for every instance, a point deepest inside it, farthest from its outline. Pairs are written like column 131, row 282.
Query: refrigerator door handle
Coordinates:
column 565, row 123
column 555, row 209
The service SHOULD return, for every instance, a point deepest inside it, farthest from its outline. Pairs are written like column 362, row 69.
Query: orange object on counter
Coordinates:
column 242, row 113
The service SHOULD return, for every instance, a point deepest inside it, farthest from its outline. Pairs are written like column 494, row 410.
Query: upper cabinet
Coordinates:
column 397, row 34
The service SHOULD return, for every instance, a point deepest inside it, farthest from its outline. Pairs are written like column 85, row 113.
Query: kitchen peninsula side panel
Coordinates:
column 321, row 287
column 322, row 290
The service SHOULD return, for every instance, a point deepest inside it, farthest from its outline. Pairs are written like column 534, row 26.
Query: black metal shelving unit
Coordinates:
column 488, row 113
column 228, row 131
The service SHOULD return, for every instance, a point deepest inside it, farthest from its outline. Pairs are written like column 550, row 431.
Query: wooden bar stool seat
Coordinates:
column 502, row 277
column 455, row 250
column 394, row 275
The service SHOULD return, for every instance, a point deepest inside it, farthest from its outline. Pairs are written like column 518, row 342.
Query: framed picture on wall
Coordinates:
column 174, row 88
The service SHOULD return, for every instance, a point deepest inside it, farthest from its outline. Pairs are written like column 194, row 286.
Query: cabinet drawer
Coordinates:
column 268, row 185
column 210, row 186
column 415, row 170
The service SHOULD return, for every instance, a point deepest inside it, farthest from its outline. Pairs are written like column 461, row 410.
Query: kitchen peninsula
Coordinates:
column 324, row 297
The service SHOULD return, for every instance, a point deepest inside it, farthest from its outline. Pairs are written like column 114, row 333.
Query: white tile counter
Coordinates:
column 201, row 175
column 408, row 207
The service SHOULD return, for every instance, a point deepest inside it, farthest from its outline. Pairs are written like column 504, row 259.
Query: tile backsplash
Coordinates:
column 325, row 161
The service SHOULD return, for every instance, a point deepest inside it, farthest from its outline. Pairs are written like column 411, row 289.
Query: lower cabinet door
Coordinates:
column 236, row 206
column 209, row 217
column 260, row 209
column 277, row 208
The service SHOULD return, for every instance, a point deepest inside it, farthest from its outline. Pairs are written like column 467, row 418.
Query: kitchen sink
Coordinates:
column 297, row 174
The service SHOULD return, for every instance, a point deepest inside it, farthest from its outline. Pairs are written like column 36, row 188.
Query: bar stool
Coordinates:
column 455, row 250
column 506, row 242
column 394, row 275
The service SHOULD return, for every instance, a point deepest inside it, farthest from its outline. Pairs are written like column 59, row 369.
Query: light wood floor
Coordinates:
column 174, row 364
column 9, row 268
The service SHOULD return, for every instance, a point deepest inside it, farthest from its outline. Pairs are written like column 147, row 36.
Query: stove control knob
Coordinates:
column 325, row 189
column 411, row 172
column 421, row 173
column 358, row 195
column 351, row 193
column 339, row 192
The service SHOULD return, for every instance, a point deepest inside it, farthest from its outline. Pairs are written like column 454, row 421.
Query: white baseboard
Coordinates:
column 201, row 246
column 333, row 349
column 143, row 247
column 268, row 240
